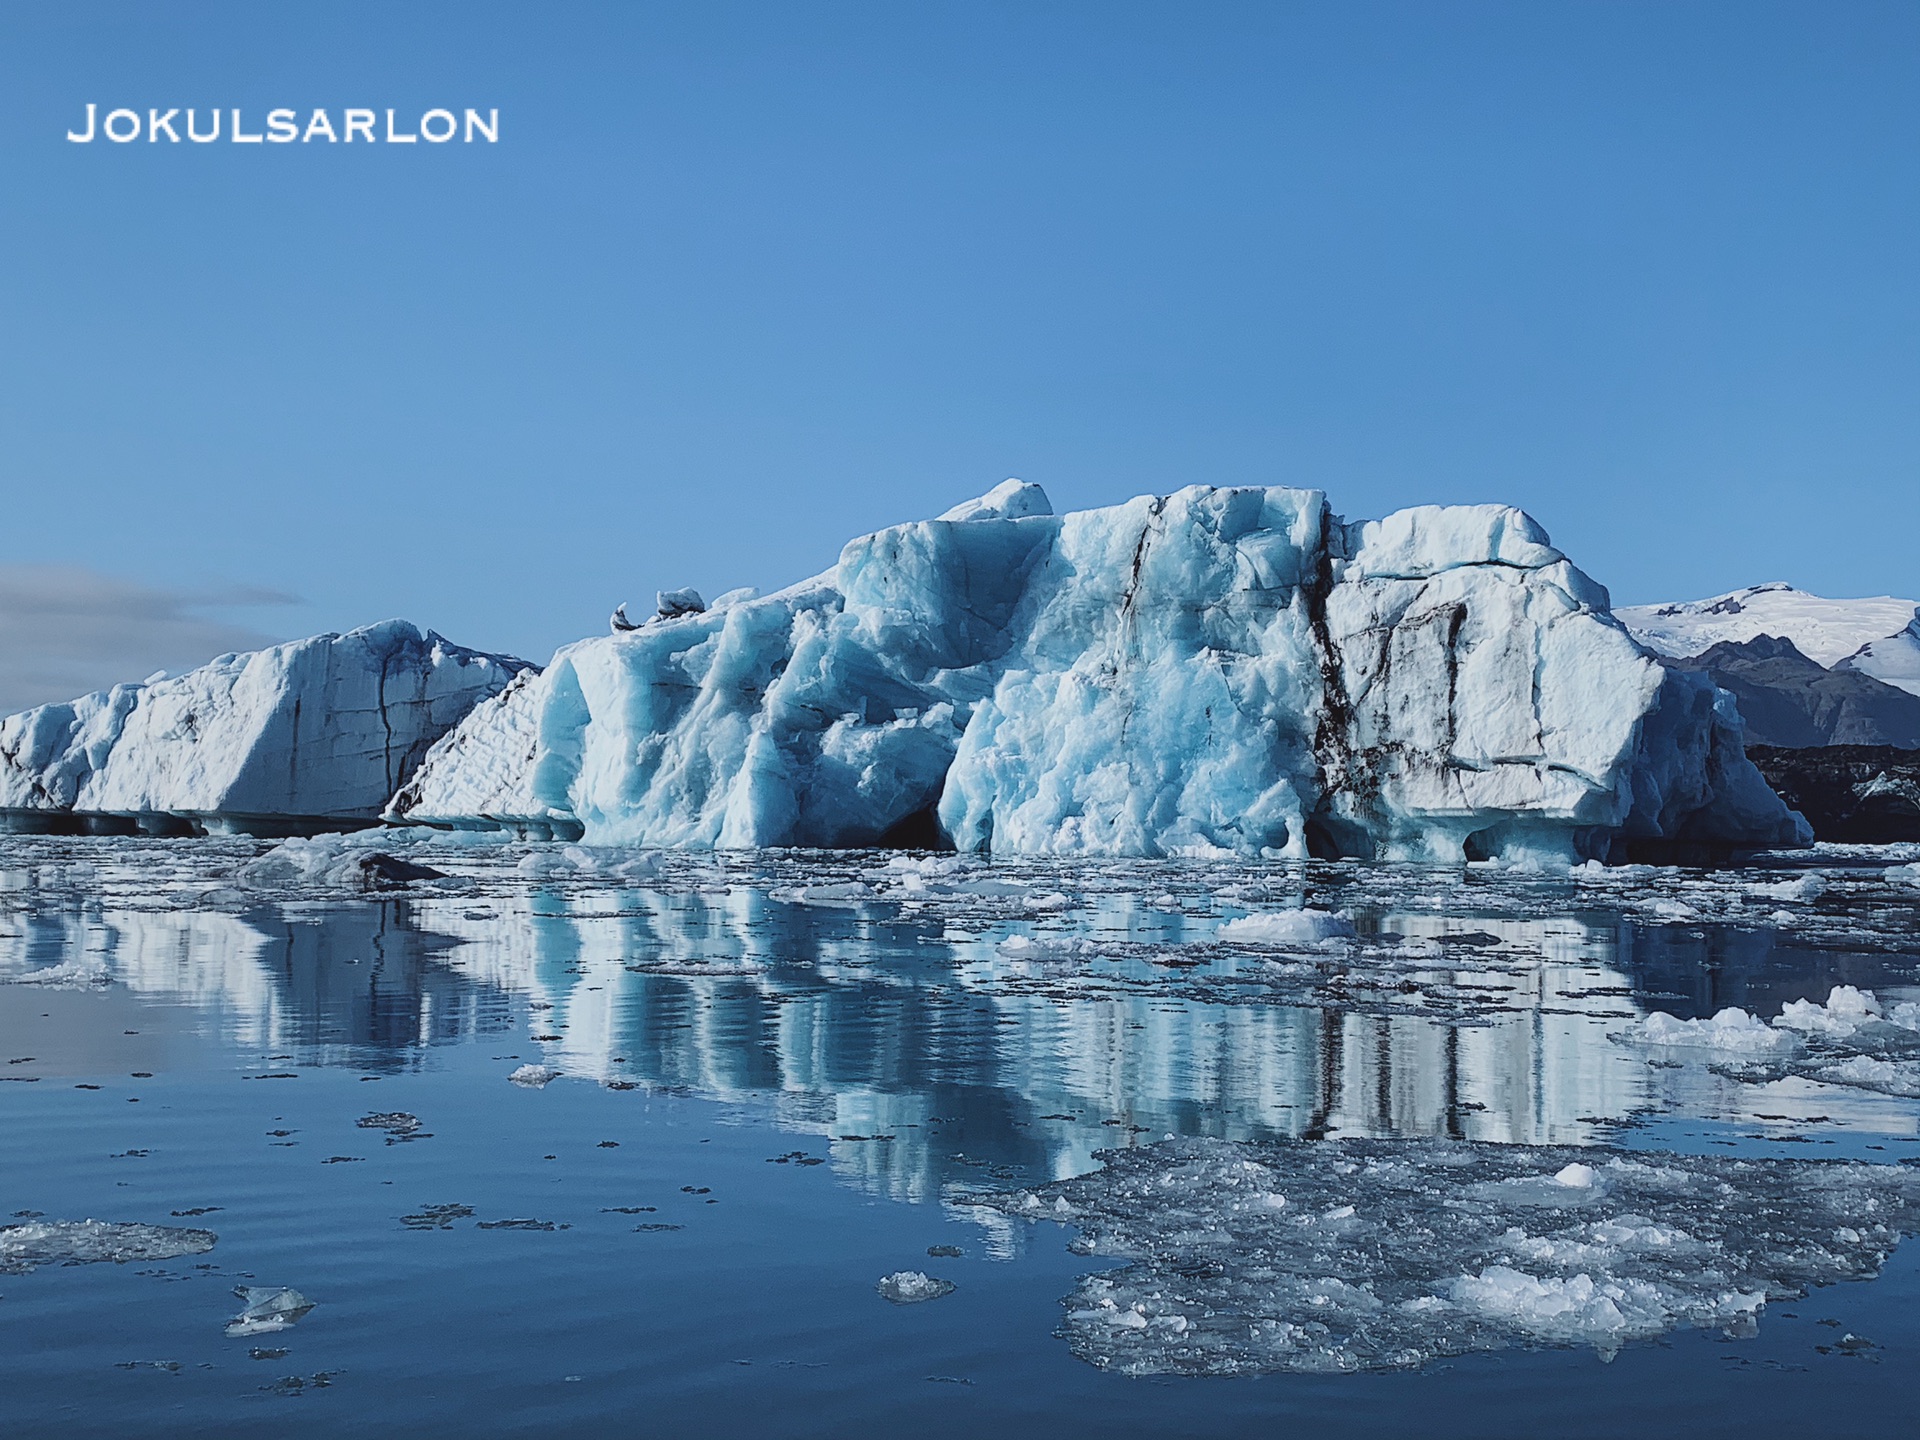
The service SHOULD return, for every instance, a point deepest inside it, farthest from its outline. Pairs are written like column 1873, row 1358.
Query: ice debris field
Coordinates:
column 1362, row 1255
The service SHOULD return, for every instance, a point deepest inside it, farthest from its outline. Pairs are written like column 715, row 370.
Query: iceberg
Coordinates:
column 316, row 733
column 1220, row 671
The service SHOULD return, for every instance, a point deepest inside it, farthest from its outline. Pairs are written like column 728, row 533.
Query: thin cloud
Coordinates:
column 66, row 631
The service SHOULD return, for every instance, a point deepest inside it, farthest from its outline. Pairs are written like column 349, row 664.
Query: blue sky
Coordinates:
column 741, row 281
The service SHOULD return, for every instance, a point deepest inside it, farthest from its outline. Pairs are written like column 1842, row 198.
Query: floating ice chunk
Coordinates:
column 534, row 1076
column 84, row 973
column 399, row 1125
column 910, row 1287
column 1572, row 1187
column 1890, row 1077
column 1287, row 927
column 1731, row 1032
column 1046, row 947
column 601, row 861
column 834, row 893
column 268, row 1308
column 990, row 886
column 83, row 1242
column 1846, row 1012
column 1804, row 888
column 360, row 860
column 1580, row 1310
column 1908, row 873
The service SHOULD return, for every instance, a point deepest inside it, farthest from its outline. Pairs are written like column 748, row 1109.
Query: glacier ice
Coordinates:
column 322, row 729
column 1350, row 1255
column 1220, row 671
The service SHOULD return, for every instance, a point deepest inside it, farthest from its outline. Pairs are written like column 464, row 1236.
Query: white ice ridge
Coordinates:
column 1373, row 1255
column 324, row 728
column 1218, row 671
column 1878, row 636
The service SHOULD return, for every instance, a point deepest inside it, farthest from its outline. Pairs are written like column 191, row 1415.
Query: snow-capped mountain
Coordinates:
column 1878, row 636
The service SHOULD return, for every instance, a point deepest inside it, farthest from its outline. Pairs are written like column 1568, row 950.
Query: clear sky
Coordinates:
column 742, row 280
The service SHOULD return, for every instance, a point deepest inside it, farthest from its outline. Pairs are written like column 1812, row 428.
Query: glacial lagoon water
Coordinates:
column 1419, row 1163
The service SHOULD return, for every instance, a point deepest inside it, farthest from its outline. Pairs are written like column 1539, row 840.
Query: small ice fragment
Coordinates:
column 268, row 1308
column 1287, row 927
column 1847, row 1010
column 910, row 1287
column 1578, row 1177
column 399, row 1125
column 1732, row 1030
column 534, row 1076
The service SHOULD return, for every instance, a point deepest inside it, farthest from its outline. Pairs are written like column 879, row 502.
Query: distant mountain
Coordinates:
column 1877, row 637
column 1787, row 700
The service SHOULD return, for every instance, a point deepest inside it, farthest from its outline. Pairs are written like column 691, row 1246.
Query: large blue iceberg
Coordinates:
column 1221, row 670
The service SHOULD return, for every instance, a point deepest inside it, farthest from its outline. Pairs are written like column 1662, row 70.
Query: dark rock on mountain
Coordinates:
column 1791, row 701
column 1851, row 794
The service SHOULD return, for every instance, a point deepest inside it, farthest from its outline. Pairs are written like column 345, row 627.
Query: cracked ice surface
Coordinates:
column 1367, row 1255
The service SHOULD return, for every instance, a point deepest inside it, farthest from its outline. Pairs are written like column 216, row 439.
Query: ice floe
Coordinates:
column 33, row 1243
column 1287, row 927
column 1367, row 1255
column 267, row 1308
column 911, row 1287
column 1731, row 1031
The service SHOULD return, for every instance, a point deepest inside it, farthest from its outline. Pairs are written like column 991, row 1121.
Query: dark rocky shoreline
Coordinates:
column 1850, row 794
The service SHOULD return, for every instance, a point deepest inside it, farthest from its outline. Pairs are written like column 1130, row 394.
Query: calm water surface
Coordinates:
column 783, row 1077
